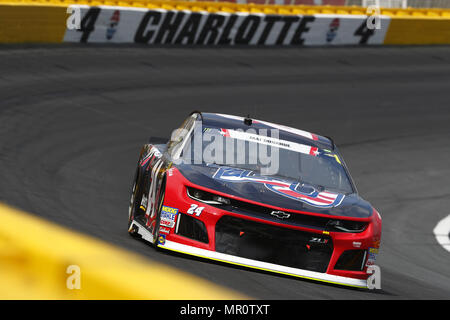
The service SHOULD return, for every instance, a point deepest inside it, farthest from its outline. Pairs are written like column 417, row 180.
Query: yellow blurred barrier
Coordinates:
column 28, row 23
column 230, row 7
column 406, row 31
column 35, row 258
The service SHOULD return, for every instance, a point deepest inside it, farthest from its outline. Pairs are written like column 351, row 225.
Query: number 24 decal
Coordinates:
column 195, row 209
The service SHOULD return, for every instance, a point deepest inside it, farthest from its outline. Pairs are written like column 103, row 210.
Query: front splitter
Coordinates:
column 260, row 265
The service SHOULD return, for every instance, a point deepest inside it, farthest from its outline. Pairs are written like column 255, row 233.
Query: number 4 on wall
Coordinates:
column 364, row 32
column 88, row 23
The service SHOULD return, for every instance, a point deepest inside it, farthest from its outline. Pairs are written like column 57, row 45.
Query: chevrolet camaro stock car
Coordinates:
column 209, row 193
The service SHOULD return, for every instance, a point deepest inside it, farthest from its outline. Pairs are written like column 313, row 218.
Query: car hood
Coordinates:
column 275, row 191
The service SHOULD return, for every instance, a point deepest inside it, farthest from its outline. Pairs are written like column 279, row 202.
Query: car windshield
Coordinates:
column 266, row 155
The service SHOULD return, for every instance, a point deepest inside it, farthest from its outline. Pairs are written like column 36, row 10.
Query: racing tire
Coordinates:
column 135, row 199
column 158, row 215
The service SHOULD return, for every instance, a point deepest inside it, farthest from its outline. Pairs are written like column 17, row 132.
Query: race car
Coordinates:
column 256, row 194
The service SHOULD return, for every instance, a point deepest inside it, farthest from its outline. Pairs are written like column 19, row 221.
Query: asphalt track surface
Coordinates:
column 72, row 120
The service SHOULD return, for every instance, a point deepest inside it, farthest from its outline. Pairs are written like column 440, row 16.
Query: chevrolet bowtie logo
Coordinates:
column 280, row 214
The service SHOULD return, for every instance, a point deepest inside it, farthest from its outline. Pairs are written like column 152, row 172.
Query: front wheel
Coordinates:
column 133, row 206
column 158, row 215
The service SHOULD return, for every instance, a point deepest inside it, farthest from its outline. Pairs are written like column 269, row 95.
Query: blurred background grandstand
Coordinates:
column 362, row 3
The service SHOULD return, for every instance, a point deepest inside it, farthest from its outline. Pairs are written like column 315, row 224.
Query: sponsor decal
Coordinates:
column 373, row 250
column 270, row 141
column 295, row 191
column 165, row 230
column 162, row 239
column 356, row 244
column 299, row 132
column 332, row 31
column 169, row 210
column 376, row 243
column 372, row 256
column 113, row 22
column 168, row 216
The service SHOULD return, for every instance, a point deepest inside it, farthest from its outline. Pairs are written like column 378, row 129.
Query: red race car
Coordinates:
column 255, row 194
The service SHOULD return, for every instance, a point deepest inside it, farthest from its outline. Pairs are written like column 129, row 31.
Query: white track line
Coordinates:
column 442, row 231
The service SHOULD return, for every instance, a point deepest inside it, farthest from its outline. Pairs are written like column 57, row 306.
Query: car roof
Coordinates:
column 219, row 120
